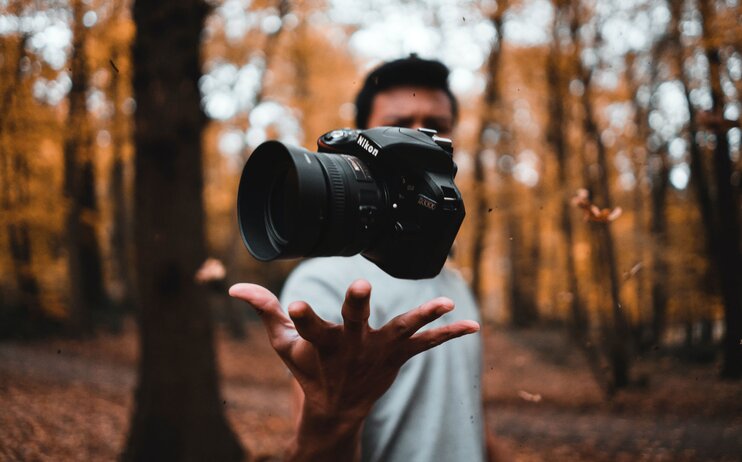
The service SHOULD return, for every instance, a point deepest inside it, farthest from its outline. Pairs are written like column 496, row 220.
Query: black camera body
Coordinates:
column 387, row 193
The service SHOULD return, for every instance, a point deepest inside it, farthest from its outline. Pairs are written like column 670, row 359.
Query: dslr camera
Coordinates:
column 387, row 193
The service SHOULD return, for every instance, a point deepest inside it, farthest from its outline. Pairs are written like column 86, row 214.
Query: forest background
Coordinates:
column 599, row 157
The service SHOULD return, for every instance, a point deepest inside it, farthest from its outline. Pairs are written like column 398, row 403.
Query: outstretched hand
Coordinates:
column 344, row 368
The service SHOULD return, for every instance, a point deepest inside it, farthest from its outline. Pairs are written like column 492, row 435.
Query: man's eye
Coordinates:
column 441, row 126
column 405, row 123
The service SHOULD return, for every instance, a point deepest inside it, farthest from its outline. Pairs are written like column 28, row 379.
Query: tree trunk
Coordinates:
column 120, row 238
column 557, row 132
column 178, row 412
column 639, row 159
column 659, row 248
column 85, row 270
column 699, row 183
column 522, row 281
column 15, row 198
column 728, row 255
column 617, row 334
column 20, row 248
column 657, row 164
column 557, row 137
column 659, row 172
column 488, row 116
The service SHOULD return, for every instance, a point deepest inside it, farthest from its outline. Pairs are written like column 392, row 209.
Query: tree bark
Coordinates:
column 659, row 248
column 121, row 235
column 84, row 261
column 558, row 115
column 15, row 175
column 522, row 279
column 699, row 182
column 178, row 412
column 490, row 100
column 618, row 333
column 659, row 179
column 728, row 253
column 657, row 164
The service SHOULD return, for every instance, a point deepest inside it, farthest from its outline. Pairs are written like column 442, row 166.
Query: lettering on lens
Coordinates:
column 365, row 144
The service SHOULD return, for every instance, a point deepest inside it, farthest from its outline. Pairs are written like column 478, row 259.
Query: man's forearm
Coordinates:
column 326, row 438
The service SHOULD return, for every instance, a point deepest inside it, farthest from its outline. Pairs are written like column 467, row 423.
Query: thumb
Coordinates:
column 262, row 300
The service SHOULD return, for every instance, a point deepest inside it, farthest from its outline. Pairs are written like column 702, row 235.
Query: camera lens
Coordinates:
column 281, row 206
column 295, row 203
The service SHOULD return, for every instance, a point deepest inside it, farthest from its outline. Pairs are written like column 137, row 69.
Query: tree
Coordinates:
column 717, row 200
column 84, row 260
column 658, row 168
column 727, row 255
column 604, row 255
column 488, row 119
column 15, row 175
column 120, row 35
column 559, row 69
column 178, row 413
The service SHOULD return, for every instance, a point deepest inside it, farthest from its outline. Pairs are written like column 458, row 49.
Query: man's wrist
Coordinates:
column 326, row 436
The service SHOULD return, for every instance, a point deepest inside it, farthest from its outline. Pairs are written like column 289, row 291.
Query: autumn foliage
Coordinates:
column 600, row 164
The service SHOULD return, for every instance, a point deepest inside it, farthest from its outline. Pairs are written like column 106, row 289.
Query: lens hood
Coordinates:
column 281, row 202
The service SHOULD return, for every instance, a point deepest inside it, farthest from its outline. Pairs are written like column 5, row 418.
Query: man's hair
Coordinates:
column 410, row 71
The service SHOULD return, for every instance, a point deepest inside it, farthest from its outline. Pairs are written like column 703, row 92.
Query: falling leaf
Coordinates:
column 533, row 398
column 632, row 272
column 211, row 270
column 591, row 211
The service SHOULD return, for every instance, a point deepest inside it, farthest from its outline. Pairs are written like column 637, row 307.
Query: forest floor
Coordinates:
column 63, row 399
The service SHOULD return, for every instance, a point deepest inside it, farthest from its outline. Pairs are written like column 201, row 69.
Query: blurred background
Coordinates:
column 599, row 157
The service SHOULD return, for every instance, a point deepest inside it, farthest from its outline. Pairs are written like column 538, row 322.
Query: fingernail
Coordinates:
column 296, row 310
column 360, row 288
column 474, row 327
column 443, row 309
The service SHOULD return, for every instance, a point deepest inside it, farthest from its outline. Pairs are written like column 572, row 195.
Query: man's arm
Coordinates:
column 343, row 369
column 332, row 439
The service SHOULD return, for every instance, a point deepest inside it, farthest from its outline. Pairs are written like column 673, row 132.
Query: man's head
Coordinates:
column 410, row 92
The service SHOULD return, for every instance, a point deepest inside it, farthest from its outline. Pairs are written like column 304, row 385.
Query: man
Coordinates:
column 372, row 382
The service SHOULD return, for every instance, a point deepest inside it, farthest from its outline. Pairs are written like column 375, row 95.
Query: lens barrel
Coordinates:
column 295, row 203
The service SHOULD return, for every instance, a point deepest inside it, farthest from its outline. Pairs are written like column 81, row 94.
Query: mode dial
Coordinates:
column 444, row 143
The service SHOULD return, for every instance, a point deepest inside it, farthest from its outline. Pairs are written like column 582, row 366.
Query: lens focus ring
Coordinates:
column 337, row 187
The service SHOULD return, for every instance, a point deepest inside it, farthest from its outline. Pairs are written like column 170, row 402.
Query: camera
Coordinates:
column 387, row 193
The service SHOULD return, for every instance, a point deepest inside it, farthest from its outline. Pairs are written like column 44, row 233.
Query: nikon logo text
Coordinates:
column 364, row 143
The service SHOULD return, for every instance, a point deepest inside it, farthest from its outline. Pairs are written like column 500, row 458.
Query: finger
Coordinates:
column 278, row 326
column 310, row 326
column 356, row 308
column 408, row 323
column 432, row 338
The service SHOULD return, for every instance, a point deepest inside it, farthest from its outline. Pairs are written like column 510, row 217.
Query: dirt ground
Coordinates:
column 70, row 400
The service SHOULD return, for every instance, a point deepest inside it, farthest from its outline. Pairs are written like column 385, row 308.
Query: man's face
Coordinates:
column 413, row 107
